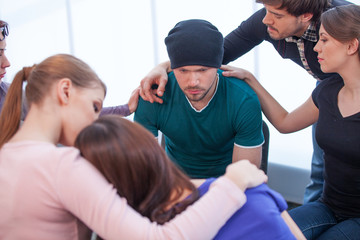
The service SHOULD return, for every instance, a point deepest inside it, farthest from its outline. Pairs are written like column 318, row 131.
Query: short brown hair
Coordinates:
column 299, row 7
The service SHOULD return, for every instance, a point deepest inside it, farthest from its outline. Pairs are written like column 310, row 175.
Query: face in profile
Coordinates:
column 84, row 107
column 332, row 54
column 281, row 24
column 4, row 62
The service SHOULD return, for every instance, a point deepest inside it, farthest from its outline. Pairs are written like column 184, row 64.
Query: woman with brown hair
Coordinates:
column 50, row 192
column 132, row 160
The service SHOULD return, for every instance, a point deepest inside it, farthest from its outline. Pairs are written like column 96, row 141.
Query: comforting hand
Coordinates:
column 245, row 174
column 134, row 100
column 230, row 71
column 157, row 76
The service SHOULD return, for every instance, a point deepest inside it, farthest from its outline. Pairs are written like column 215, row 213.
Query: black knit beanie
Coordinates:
column 195, row 42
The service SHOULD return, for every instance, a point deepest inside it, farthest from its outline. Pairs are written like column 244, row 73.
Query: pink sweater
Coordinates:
column 47, row 192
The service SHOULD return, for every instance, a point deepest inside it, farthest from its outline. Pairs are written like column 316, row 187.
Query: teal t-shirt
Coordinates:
column 201, row 142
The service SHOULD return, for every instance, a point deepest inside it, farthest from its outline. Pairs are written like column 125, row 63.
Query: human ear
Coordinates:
column 353, row 46
column 63, row 90
column 306, row 17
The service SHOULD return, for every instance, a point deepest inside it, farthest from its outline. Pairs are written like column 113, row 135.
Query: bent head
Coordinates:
column 339, row 37
column 4, row 62
column 195, row 49
column 286, row 18
column 76, row 87
column 62, row 82
column 131, row 159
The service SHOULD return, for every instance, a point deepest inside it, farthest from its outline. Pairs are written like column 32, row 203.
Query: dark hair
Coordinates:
column 195, row 42
column 3, row 24
column 132, row 160
column 40, row 79
column 342, row 23
column 299, row 7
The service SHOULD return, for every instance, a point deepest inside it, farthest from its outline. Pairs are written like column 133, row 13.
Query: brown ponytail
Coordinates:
column 11, row 113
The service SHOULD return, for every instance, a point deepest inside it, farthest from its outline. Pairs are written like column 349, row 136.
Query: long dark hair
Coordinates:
column 40, row 78
column 131, row 159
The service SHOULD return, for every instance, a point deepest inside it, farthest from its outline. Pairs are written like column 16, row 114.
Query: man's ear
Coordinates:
column 63, row 90
column 353, row 46
column 306, row 17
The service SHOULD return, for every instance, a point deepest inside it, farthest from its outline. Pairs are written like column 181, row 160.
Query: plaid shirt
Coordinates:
column 310, row 35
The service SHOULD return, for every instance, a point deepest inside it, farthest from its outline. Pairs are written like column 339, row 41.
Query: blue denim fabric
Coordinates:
column 317, row 221
column 314, row 190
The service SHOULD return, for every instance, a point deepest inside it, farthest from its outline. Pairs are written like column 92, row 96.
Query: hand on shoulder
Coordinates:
column 245, row 174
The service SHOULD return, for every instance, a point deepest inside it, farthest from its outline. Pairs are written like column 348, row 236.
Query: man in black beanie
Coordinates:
column 292, row 27
column 208, row 120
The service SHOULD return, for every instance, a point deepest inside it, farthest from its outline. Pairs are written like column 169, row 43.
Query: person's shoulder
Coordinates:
column 41, row 152
column 264, row 191
column 328, row 85
column 62, row 153
column 204, row 187
column 68, row 151
column 259, row 189
column 69, row 158
column 239, row 96
column 236, row 86
column 38, row 147
column 259, row 15
column 254, row 26
column 262, row 188
column 330, row 81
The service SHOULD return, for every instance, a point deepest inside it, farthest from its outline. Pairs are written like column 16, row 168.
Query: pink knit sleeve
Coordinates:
column 87, row 195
